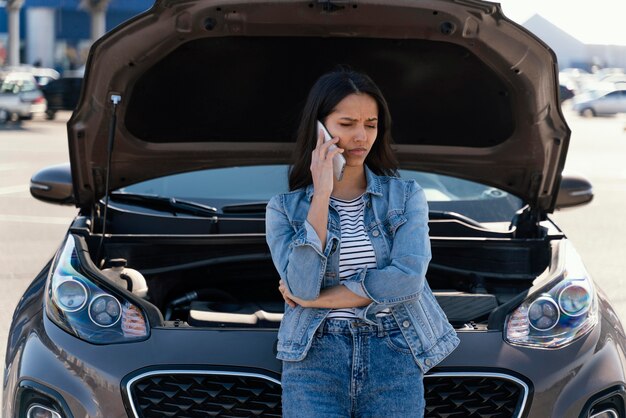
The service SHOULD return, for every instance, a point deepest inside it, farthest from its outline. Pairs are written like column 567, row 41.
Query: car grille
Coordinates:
column 231, row 394
column 191, row 395
column 463, row 396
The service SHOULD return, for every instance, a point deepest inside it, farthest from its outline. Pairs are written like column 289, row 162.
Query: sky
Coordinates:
column 591, row 22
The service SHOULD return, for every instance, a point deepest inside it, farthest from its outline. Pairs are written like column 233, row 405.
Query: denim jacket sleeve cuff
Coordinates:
column 355, row 284
column 307, row 235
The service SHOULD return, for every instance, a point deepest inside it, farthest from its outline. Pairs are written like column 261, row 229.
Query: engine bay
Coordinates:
column 207, row 283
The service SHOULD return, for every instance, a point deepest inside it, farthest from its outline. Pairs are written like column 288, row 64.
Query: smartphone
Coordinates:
column 339, row 162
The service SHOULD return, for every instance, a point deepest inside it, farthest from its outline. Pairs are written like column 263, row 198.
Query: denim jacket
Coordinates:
column 396, row 220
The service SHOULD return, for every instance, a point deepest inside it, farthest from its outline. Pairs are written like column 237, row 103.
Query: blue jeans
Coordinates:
column 354, row 369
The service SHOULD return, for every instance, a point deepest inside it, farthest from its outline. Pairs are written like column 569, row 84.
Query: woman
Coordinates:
column 361, row 326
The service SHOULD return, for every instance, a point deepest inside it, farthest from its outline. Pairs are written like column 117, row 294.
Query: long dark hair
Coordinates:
column 328, row 90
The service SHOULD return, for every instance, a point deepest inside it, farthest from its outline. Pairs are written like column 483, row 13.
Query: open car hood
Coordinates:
column 221, row 83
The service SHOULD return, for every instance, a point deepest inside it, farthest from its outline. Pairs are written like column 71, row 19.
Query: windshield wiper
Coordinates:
column 245, row 208
column 440, row 214
column 170, row 204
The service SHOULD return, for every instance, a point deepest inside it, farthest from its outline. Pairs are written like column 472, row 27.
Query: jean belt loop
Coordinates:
column 381, row 327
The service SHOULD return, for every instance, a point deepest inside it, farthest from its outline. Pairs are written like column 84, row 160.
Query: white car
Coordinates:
column 596, row 103
column 20, row 97
column 43, row 75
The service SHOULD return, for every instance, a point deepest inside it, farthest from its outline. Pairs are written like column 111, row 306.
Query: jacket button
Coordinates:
column 428, row 362
column 369, row 204
column 406, row 324
column 375, row 233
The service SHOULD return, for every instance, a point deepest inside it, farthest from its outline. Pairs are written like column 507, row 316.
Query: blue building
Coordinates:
column 57, row 33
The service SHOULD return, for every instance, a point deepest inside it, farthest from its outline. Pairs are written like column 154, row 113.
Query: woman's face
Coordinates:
column 355, row 121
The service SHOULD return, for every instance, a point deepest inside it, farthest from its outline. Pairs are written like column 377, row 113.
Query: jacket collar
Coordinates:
column 373, row 184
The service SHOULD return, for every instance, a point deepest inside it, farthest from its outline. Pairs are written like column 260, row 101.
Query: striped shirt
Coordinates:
column 355, row 251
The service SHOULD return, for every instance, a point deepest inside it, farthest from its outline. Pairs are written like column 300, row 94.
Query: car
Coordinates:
column 600, row 102
column 62, row 94
column 604, row 72
column 43, row 75
column 20, row 97
column 616, row 78
column 162, row 299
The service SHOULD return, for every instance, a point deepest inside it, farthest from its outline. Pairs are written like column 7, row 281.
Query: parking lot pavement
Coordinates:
column 30, row 230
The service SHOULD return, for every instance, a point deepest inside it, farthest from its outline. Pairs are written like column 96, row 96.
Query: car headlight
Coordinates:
column 87, row 309
column 558, row 315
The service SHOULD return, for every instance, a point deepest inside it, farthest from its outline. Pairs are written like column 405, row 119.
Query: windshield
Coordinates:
column 253, row 184
column 17, row 86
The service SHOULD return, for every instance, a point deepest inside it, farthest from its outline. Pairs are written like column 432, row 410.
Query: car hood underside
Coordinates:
column 218, row 83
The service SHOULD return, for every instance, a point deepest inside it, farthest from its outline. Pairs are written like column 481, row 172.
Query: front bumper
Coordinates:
column 92, row 380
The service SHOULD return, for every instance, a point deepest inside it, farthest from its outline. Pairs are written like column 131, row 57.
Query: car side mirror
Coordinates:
column 575, row 190
column 53, row 184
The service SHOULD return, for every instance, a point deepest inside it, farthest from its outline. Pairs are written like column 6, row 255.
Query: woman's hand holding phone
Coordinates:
column 339, row 162
column 322, row 164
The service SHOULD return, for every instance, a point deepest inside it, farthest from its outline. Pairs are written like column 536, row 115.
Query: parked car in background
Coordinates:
column 609, row 71
column 618, row 80
column 20, row 96
column 596, row 103
column 574, row 78
column 62, row 94
column 604, row 79
column 43, row 75
column 161, row 299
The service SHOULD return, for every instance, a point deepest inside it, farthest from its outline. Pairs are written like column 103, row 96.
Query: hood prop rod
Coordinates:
column 115, row 100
